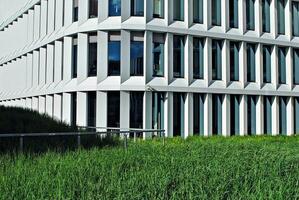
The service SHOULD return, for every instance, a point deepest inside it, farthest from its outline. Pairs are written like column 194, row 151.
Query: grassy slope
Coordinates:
column 213, row 168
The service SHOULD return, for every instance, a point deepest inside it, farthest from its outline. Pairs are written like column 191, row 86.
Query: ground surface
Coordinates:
column 213, row 168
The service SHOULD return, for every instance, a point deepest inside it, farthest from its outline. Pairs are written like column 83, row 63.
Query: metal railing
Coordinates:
column 123, row 133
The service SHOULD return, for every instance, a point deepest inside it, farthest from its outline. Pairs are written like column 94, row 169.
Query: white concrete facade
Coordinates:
column 36, row 65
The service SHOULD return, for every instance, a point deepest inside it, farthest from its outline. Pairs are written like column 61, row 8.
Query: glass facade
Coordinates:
column 216, row 12
column 92, row 55
column 178, row 114
column 235, row 114
column 91, row 109
column 158, row 55
column 296, row 115
column 295, row 18
column 234, row 61
column 267, row 64
column 158, row 99
column 114, row 58
column 266, row 15
column 136, row 109
column 74, row 57
column 233, row 14
column 136, row 58
column 73, row 109
column 113, row 109
column 217, row 114
column 198, row 113
column 158, row 8
column 75, row 10
column 178, row 10
column 281, row 16
column 198, row 11
column 282, row 115
column 250, row 21
column 251, row 114
column 216, row 59
column 250, row 62
column 296, row 66
column 198, row 58
column 114, row 7
column 93, row 8
column 178, row 56
column 137, row 8
column 282, row 65
column 268, row 115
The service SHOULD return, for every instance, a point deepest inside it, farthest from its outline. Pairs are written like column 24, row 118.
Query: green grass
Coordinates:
column 197, row 168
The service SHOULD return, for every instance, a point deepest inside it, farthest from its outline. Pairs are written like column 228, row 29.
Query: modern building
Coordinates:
column 191, row 67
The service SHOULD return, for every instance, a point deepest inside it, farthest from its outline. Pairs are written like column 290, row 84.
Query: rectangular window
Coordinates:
column 250, row 21
column 178, row 56
column 234, row 61
column 217, row 60
column 296, row 66
column 198, row 113
column 251, row 62
column 233, row 14
column 113, row 109
column 267, row 64
column 158, row 99
column 235, row 114
column 91, row 109
column 282, row 65
column 217, row 114
column 158, row 9
column 282, row 115
column 295, row 16
column 75, row 10
column 92, row 55
column 178, row 114
column 268, row 114
column 251, row 114
column 158, row 55
column 198, row 11
column 136, row 109
column 137, row 8
column 93, row 8
column 216, row 12
column 281, row 16
column 114, row 55
column 198, row 56
column 266, row 15
column 74, row 57
column 296, row 115
column 114, row 8
column 178, row 10
column 136, row 52
column 73, row 109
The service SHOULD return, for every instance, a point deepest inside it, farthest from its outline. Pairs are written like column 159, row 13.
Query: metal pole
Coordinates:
column 163, row 133
column 21, row 144
column 79, row 140
column 134, row 136
column 126, row 142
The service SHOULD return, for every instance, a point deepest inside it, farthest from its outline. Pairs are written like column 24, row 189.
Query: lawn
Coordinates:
column 197, row 168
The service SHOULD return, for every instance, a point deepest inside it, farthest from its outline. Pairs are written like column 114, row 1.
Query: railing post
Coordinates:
column 126, row 142
column 163, row 133
column 21, row 144
column 135, row 136
column 79, row 140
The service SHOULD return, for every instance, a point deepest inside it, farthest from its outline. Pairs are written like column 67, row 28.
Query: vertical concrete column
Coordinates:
column 35, row 103
column 42, row 104
column 81, row 108
column 207, row 14
column 28, row 103
column 288, row 19
column 188, row 115
column 188, row 59
column 35, row 69
column 273, row 19
column 102, row 111
column 208, row 115
column 243, row 64
column 49, row 105
column 51, row 16
column 168, row 120
column 188, row 13
column 274, row 66
column 58, row 61
column 67, row 58
column 243, row 115
column 289, row 67
column 290, row 116
column 242, row 16
column 68, row 12
column 226, row 115
column 66, row 107
column 50, row 63
column 124, row 110
column 102, row 55
column 83, row 11
column 30, row 26
column 23, row 103
column 258, row 17
column 36, row 22
column 44, row 16
column 125, row 10
column 148, row 67
column 225, row 15
column 148, row 10
column 259, row 65
column 169, row 12
column 59, row 8
column 225, row 62
column 275, row 115
column 82, row 56
column 208, row 61
column 125, row 55
column 29, row 66
column 169, row 57
column 57, row 107
column 147, row 113
column 103, row 11
column 42, row 67
column 260, row 116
